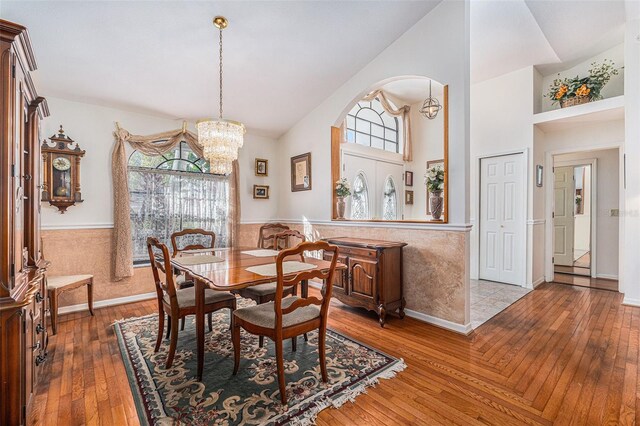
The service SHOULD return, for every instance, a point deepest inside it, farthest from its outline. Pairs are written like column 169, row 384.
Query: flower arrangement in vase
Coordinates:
column 576, row 91
column 434, row 180
column 343, row 190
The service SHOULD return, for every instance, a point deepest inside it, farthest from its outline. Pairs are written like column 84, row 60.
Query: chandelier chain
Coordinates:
column 220, row 115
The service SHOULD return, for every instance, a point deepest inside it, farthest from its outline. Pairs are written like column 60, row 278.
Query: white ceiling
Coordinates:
column 552, row 34
column 281, row 59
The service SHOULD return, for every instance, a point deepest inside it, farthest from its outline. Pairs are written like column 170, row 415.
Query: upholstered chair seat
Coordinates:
column 265, row 316
column 259, row 290
column 187, row 297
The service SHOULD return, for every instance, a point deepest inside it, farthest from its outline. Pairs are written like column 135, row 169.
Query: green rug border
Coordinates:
column 386, row 372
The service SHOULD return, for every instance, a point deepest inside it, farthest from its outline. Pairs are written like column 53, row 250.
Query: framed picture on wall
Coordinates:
column 261, row 191
column 429, row 165
column 408, row 197
column 301, row 172
column 408, row 178
column 262, row 167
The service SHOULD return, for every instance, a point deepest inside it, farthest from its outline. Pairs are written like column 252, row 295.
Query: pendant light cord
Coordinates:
column 220, row 115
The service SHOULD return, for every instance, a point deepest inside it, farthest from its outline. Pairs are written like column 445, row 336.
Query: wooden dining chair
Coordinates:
column 266, row 236
column 178, row 303
column 58, row 284
column 289, row 317
column 190, row 239
column 263, row 293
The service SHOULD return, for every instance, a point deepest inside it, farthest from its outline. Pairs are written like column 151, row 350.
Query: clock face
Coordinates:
column 61, row 163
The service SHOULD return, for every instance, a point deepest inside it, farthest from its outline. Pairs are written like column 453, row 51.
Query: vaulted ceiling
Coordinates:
column 281, row 58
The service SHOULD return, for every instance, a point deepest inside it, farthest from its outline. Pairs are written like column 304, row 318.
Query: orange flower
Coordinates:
column 561, row 91
column 583, row 91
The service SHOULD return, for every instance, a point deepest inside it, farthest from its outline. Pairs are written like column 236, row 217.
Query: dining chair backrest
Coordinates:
column 160, row 261
column 289, row 238
column 326, row 276
column 192, row 239
column 266, row 236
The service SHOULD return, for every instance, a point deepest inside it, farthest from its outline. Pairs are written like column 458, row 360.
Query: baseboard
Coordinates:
column 439, row 322
column 607, row 276
column 537, row 282
column 107, row 302
column 630, row 302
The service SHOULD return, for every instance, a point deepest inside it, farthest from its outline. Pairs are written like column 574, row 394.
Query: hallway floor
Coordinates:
column 490, row 298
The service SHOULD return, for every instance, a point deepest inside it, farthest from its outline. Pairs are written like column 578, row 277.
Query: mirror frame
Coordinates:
column 336, row 141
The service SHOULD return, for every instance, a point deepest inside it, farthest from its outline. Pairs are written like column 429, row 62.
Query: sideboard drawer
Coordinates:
column 357, row 251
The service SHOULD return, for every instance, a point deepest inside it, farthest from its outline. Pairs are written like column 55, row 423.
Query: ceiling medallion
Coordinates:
column 430, row 106
column 220, row 139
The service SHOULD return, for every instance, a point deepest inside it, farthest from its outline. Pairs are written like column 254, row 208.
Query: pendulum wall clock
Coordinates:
column 61, row 171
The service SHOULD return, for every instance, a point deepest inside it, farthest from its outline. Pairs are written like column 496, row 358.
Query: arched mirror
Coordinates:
column 391, row 146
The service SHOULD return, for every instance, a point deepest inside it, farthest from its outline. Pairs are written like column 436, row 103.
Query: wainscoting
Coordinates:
column 435, row 271
column 88, row 251
column 434, row 266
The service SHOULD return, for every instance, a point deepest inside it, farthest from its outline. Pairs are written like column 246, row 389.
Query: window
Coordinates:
column 390, row 202
column 370, row 125
column 171, row 192
column 360, row 198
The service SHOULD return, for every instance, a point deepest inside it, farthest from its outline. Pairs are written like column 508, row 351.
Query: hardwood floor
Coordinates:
column 600, row 283
column 560, row 355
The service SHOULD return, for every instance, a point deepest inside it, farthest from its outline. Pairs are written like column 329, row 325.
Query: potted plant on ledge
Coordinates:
column 434, row 179
column 343, row 190
column 575, row 91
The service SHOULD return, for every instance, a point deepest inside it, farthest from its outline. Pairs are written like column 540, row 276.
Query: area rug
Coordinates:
column 175, row 397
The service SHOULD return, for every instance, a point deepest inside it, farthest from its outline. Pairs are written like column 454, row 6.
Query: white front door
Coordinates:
column 502, row 216
column 563, row 219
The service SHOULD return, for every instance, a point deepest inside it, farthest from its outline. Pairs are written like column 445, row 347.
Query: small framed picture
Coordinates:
column 539, row 175
column 262, row 167
column 408, row 178
column 261, row 191
column 408, row 197
column 301, row 172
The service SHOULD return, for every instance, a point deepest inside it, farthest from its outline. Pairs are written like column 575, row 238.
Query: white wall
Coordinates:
column 92, row 127
column 607, row 191
column 615, row 87
column 428, row 145
column 630, row 267
column 500, row 123
column 445, row 61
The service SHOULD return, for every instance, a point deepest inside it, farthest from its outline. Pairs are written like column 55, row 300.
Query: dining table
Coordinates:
column 226, row 269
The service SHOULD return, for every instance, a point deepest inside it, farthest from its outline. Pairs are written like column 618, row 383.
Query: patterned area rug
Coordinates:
column 251, row 397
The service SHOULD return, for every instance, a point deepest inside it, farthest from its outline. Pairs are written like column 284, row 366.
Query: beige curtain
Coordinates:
column 156, row 144
column 407, row 147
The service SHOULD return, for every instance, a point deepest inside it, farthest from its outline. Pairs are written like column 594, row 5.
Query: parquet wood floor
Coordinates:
column 560, row 355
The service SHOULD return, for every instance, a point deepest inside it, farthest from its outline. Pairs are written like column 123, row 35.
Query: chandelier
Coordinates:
column 220, row 139
column 430, row 106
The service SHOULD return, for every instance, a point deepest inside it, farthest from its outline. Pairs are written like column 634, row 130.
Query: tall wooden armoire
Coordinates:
column 23, row 328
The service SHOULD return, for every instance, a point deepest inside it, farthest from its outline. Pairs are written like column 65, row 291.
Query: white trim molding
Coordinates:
column 456, row 227
column 607, row 276
column 631, row 302
column 439, row 322
column 107, row 302
column 536, row 221
column 537, row 282
column 77, row 226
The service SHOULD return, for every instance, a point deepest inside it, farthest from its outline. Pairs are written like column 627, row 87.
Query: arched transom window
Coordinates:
column 360, row 198
column 389, row 200
column 370, row 125
column 172, row 192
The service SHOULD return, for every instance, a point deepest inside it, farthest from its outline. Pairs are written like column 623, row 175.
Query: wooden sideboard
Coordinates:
column 373, row 278
column 23, row 330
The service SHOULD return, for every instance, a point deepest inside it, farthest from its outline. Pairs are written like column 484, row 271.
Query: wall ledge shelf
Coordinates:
column 604, row 110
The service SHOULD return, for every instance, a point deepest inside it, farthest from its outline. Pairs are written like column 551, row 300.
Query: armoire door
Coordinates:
column 502, row 219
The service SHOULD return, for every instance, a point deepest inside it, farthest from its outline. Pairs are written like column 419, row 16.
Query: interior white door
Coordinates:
column 563, row 218
column 502, row 216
